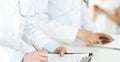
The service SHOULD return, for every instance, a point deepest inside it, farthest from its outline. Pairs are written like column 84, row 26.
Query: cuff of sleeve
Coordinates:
column 51, row 46
column 17, row 57
column 74, row 34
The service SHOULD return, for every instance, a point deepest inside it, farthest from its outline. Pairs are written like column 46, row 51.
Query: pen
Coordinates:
column 35, row 46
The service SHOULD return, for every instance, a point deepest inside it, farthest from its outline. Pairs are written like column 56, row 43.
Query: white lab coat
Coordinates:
column 10, row 55
column 8, row 33
column 8, row 25
column 5, row 54
column 72, row 13
column 67, row 12
column 48, row 19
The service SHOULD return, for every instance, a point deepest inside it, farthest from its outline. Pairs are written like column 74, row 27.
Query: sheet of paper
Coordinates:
column 66, row 57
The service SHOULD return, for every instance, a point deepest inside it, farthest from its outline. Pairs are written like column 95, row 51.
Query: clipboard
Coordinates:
column 70, row 57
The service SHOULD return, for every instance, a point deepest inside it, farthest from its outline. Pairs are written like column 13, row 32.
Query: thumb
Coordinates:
column 62, row 52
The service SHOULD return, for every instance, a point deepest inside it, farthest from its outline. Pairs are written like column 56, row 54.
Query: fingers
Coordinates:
column 109, row 37
column 102, row 35
column 104, row 38
column 36, row 56
column 43, row 59
column 94, row 41
column 88, row 42
column 61, row 51
column 42, row 56
column 43, row 53
column 99, row 42
column 96, row 8
column 89, row 37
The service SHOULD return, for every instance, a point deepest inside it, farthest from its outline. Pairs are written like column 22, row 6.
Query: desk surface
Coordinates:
column 100, row 54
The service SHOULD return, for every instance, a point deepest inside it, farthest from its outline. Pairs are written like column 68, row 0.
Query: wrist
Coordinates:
column 79, row 33
column 51, row 47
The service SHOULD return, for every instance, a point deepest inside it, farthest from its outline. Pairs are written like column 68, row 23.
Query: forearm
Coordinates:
column 93, row 14
column 114, row 18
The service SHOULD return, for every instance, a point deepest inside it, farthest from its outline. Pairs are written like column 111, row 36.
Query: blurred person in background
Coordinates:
column 105, row 15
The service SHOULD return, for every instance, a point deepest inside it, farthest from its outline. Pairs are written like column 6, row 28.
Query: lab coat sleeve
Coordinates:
column 10, row 42
column 31, row 34
column 51, row 47
column 59, row 31
column 41, row 22
column 10, row 55
column 17, row 56
column 40, row 39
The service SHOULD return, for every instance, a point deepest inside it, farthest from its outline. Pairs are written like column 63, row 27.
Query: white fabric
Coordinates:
column 9, row 28
column 10, row 55
column 66, row 11
column 103, row 23
column 40, row 27
column 17, row 57
column 8, row 25
column 51, row 47
column 5, row 54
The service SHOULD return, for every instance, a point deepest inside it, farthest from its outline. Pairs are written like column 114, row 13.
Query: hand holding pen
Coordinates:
column 41, row 55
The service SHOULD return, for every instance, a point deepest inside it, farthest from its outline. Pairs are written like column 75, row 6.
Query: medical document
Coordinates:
column 77, row 57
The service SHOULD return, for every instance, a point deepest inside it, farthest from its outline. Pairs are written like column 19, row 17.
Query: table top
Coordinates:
column 100, row 54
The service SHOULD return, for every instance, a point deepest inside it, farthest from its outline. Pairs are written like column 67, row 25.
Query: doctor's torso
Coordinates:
column 103, row 23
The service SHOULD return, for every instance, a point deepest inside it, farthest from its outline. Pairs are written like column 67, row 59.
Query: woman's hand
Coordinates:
column 95, row 10
column 98, row 9
column 88, row 37
column 106, row 38
column 61, row 51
